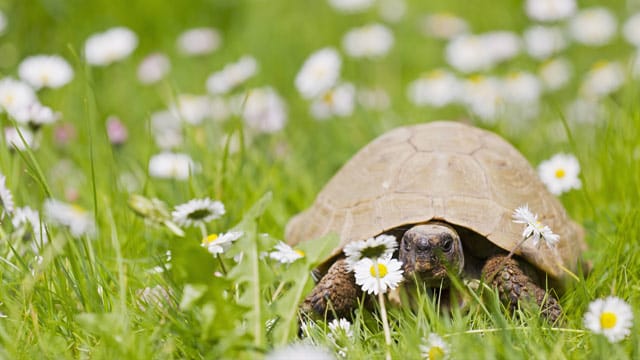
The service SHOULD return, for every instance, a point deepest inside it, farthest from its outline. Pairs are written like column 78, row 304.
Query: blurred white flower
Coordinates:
column 340, row 328
column 166, row 129
column 117, row 132
column 373, row 98
column 560, row 173
column 631, row 30
column 6, row 198
column 351, row 6
column 300, row 350
column 338, row 101
column 153, row 68
column 593, row 26
column 13, row 139
column 534, row 229
column 370, row 41
column 585, row 111
column 220, row 109
column 319, row 73
column 192, row 109
column 378, row 275
column 219, row 243
column 555, row 73
column 285, row 254
column 443, row 26
column 611, row 317
column 550, row 10
column 168, row 165
column 264, row 110
column 436, row 88
column 543, row 41
column 483, row 96
column 392, row 10
column 604, row 78
column 45, row 71
column 232, row 75
column 521, row 87
column 78, row 220
column 197, row 211
column 434, row 348
column 15, row 94
column 199, row 41
column 25, row 220
column 34, row 115
column 468, row 53
column 113, row 45
column 3, row 22
column 501, row 45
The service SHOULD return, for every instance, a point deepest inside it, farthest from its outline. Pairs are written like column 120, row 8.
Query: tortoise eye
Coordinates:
column 447, row 244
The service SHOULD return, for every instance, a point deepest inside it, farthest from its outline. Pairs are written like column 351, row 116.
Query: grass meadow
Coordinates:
column 107, row 273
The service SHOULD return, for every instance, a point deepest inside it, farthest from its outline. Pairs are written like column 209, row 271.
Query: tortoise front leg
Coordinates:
column 335, row 296
column 515, row 287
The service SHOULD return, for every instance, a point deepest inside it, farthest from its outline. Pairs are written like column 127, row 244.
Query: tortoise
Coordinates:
column 447, row 191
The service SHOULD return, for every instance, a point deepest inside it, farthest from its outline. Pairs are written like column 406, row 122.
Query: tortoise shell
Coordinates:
column 445, row 171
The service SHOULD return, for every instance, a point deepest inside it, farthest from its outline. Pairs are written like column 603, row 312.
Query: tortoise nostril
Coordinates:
column 422, row 244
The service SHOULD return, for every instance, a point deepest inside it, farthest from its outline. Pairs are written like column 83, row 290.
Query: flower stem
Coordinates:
column 383, row 314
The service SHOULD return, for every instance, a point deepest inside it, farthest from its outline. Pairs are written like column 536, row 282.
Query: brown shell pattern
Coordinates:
column 445, row 171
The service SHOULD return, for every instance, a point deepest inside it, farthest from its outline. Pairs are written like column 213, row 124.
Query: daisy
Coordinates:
column 392, row 10
column 437, row 88
column 593, row 26
column 444, row 26
column 351, row 6
column 501, row 45
column 550, row 10
column 468, row 53
column 27, row 219
column 19, row 138
column 45, row 71
column 381, row 246
column 153, row 68
column 521, row 88
column 319, row 73
column 543, row 41
column 560, row 173
column 218, row 244
column 338, row 101
column 166, row 128
column 197, row 211
column 15, row 94
column 78, row 220
column 232, row 75
column 611, row 317
column 300, row 351
column 340, row 328
column 6, row 198
column 199, row 41
column 604, row 78
column 370, row 41
column 35, row 115
column 631, row 30
column 379, row 275
column 533, row 228
column 168, row 165
column 158, row 297
column 193, row 109
column 110, row 46
column 555, row 73
column 585, row 111
column 264, row 110
column 285, row 254
column 483, row 96
column 434, row 348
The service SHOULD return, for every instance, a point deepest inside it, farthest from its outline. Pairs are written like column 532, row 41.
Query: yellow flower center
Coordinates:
column 378, row 270
column 299, row 252
column 560, row 173
column 328, row 97
column 209, row 239
column 608, row 320
column 436, row 353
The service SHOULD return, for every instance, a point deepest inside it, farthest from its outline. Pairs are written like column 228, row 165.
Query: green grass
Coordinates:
column 83, row 299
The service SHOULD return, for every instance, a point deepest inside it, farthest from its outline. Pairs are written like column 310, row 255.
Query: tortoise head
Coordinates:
column 429, row 251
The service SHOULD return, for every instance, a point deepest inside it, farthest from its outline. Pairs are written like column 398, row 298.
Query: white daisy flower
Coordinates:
column 483, row 96
column 15, row 94
column 197, row 211
column 340, row 328
column 585, row 111
column 437, row 88
column 468, row 53
column 6, row 198
column 168, row 165
column 338, row 101
column 593, row 26
column 534, row 229
column 19, row 138
column 555, row 73
column 27, row 219
column 378, row 275
column 199, row 41
column 631, row 30
column 501, row 45
column 351, row 6
column 370, row 41
column 392, row 10
column 156, row 297
column 285, row 254
column 232, row 75
column 264, row 110
column 434, row 348
column 153, row 68
column 611, row 317
column 193, row 109
column 604, row 78
column 381, row 246
column 113, row 45
column 373, row 98
column 560, row 173
column 45, row 71
column 78, row 220
column 550, row 10
column 218, row 244
column 300, row 351
column 444, row 26
column 521, row 88
column 543, row 41
column 319, row 73
column 166, row 129
column 34, row 115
